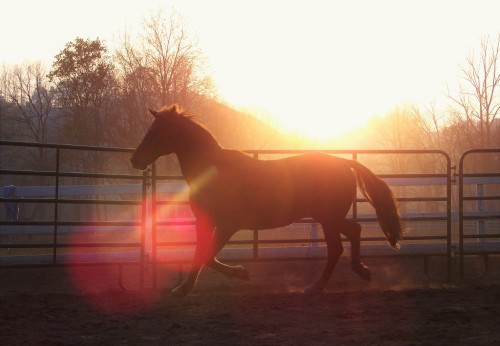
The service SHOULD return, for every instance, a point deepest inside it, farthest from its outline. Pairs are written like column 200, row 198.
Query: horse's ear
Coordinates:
column 176, row 109
column 154, row 113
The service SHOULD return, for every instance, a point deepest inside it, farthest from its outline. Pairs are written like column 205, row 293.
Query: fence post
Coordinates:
column 314, row 237
column 153, row 225
column 480, row 207
column 256, row 232
column 56, row 206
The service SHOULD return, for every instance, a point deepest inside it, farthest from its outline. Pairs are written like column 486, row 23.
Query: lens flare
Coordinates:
column 93, row 267
column 176, row 225
column 94, row 272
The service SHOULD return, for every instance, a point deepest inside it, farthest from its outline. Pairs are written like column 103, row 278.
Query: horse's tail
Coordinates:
column 381, row 198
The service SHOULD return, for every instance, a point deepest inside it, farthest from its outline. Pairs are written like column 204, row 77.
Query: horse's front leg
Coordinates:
column 204, row 253
column 220, row 238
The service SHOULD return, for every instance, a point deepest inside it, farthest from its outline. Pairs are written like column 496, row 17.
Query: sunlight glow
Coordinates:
column 320, row 68
column 324, row 68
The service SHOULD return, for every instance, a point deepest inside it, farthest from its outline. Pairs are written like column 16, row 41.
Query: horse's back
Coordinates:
column 324, row 183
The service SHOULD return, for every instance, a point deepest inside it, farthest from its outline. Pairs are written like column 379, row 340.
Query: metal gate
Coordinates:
column 55, row 239
column 483, row 180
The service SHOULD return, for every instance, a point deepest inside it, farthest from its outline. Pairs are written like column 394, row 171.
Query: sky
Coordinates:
column 315, row 67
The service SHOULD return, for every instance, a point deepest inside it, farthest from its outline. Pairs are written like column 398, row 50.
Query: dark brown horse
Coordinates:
column 230, row 191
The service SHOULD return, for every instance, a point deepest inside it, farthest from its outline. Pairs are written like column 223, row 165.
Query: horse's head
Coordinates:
column 159, row 139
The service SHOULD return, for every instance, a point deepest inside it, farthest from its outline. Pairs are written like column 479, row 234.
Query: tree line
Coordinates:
column 93, row 96
column 468, row 119
column 96, row 97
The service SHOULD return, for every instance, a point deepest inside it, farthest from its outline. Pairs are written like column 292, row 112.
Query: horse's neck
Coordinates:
column 196, row 161
column 196, row 150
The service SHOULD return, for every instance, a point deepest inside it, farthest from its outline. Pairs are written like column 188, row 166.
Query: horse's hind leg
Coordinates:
column 352, row 231
column 335, row 250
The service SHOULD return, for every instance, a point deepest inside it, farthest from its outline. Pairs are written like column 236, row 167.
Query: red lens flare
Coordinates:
column 177, row 238
column 175, row 235
column 94, row 270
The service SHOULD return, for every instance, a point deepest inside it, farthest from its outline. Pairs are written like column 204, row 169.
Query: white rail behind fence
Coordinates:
column 304, row 248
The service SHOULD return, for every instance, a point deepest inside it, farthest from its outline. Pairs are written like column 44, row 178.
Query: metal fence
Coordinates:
column 55, row 247
column 157, row 227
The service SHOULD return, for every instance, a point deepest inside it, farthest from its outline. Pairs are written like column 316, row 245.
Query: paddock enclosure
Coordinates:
column 85, row 206
column 88, row 245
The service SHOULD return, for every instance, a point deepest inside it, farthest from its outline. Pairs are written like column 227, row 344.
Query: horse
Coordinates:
column 230, row 191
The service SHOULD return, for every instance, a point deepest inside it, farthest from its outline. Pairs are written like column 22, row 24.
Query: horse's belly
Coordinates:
column 279, row 197
column 259, row 222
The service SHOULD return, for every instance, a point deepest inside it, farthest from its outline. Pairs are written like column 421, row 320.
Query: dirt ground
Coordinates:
column 401, row 306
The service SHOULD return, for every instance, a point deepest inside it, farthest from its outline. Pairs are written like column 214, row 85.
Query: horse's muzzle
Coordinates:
column 137, row 163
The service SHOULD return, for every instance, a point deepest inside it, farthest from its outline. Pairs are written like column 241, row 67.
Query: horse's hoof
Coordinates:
column 241, row 273
column 180, row 291
column 313, row 290
column 363, row 271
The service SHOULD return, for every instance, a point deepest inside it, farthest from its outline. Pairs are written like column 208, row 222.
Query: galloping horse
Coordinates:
column 230, row 191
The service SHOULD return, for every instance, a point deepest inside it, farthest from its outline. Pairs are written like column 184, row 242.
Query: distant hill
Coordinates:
column 235, row 129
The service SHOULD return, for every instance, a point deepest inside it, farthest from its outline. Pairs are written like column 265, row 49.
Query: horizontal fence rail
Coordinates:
column 158, row 227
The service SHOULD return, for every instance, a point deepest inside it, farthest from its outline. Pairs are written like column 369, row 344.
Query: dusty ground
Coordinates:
column 402, row 306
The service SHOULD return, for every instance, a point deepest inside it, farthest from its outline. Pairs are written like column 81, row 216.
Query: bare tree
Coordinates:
column 400, row 129
column 430, row 123
column 29, row 109
column 169, row 59
column 29, row 89
column 477, row 100
column 174, row 57
column 138, row 90
column 160, row 66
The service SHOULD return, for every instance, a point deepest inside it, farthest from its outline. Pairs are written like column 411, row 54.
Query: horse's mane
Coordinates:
column 173, row 108
column 190, row 122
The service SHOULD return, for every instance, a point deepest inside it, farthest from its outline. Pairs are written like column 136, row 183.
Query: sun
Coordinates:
column 321, row 103
column 310, row 116
column 316, row 122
